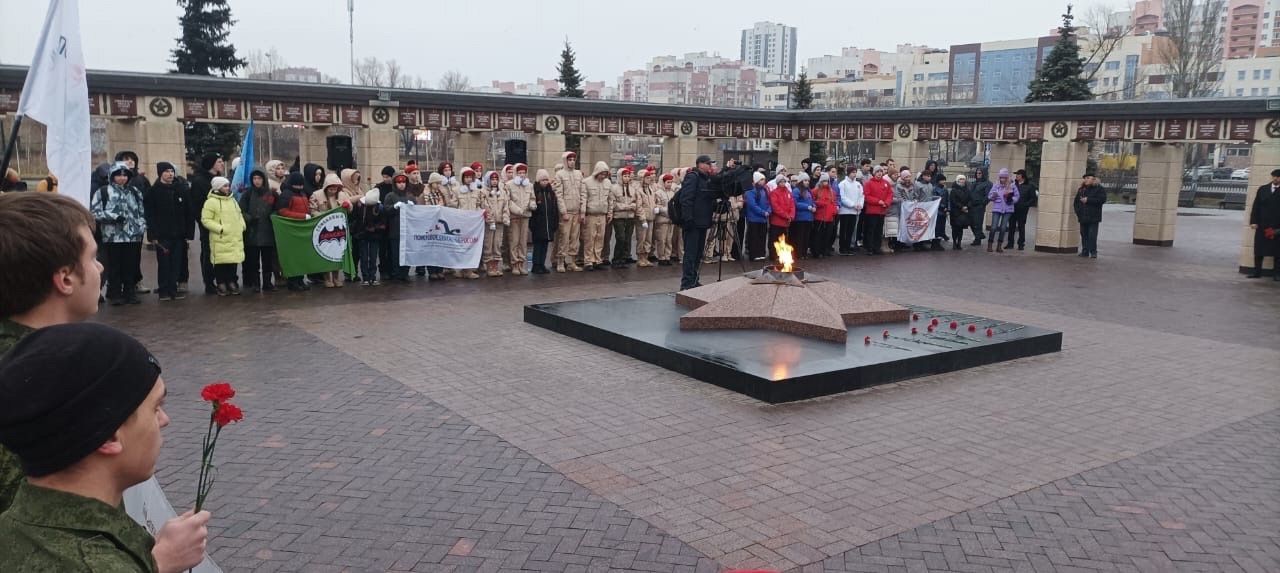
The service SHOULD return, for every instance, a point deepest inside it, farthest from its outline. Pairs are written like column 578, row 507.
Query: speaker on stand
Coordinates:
column 517, row 151
column 340, row 154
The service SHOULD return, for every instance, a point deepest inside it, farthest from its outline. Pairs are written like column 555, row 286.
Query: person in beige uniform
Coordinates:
column 662, row 226
column 569, row 194
column 645, row 214
column 623, row 200
column 469, row 198
column 450, row 185
column 595, row 204
column 496, row 217
column 520, row 193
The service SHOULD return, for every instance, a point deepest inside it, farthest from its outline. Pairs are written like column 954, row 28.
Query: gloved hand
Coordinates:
column 812, row 208
column 308, row 217
column 493, row 226
column 657, row 210
column 533, row 205
column 644, row 225
column 398, row 206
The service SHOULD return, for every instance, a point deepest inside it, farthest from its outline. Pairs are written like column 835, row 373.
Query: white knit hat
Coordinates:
column 757, row 177
column 219, row 183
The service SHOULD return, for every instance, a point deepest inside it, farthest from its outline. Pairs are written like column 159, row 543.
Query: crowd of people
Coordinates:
column 576, row 220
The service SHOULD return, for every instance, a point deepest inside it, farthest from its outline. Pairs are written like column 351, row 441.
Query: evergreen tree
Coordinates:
column 1061, row 77
column 802, row 92
column 203, row 50
column 570, row 77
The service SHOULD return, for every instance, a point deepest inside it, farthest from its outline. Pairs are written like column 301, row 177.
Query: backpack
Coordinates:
column 674, row 210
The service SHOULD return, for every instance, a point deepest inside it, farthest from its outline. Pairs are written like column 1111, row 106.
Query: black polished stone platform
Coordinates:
column 776, row 367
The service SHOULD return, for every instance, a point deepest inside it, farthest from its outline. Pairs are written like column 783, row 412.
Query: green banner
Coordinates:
column 319, row 244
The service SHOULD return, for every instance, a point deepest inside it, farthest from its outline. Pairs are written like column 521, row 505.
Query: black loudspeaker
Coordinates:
column 517, row 151
column 340, row 153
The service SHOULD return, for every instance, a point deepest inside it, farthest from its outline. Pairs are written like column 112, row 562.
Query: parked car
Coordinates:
column 1240, row 174
column 1223, row 173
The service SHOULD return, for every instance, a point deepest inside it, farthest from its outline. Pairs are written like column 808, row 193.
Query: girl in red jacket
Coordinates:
column 879, row 196
column 782, row 212
column 824, row 219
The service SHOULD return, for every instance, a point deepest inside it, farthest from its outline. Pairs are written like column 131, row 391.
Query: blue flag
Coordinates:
column 240, row 181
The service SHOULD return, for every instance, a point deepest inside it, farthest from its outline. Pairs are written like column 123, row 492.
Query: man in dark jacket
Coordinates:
column 1088, row 205
column 166, row 209
column 1264, row 219
column 1028, row 196
column 978, row 205
column 211, row 166
column 384, row 250
column 697, row 203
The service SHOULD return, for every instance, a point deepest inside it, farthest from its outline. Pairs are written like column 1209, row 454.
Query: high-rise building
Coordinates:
column 693, row 79
column 995, row 72
column 770, row 47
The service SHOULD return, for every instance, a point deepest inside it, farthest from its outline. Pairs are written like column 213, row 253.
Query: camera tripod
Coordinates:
column 719, row 234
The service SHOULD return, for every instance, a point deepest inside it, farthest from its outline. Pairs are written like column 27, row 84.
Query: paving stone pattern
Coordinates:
column 339, row 468
column 428, row 428
column 1209, row 503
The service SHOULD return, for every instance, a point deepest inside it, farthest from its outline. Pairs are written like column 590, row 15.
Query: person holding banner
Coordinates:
column 294, row 203
column 369, row 227
column 545, row 220
column 468, row 197
column 1003, row 196
column 394, row 200
column 329, row 197
column 497, row 216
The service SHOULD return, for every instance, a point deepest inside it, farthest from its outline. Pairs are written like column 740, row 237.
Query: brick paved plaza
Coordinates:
column 427, row 428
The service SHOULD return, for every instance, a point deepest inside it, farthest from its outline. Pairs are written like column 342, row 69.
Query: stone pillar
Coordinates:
column 545, row 150
column 468, row 147
column 680, row 151
column 907, row 153
column 884, row 150
column 311, row 146
column 791, row 153
column 710, row 148
column 1061, row 164
column 1159, row 182
column 1265, row 157
column 379, row 147
column 595, row 148
column 1011, row 156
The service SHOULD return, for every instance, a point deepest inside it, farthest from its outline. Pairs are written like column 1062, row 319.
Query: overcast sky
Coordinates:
column 520, row 40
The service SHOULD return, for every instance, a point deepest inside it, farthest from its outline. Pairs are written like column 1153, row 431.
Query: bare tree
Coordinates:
column 1191, row 52
column 395, row 74
column 454, row 81
column 264, row 65
column 371, row 72
column 1107, row 27
column 328, row 79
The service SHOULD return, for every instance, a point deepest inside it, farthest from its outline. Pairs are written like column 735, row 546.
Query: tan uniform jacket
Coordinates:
column 569, row 190
column 520, row 197
column 596, row 196
column 495, row 205
column 623, row 199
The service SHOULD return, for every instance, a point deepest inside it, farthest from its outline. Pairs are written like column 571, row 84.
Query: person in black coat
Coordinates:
column 545, row 220
column 697, row 204
column 978, row 205
column 166, row 208
column 211, row 165
column 1264, row 219
column 958, row 196
column 1090, row 198
column 1028, row 196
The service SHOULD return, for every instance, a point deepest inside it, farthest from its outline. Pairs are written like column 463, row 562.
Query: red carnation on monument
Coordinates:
column 990, row 332
column 913, row 330
column 973, row 328
column 886, row 334
column 954, row 325
column 866, row 340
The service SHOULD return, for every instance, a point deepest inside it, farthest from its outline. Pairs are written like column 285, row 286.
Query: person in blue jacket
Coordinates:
column 756, row 203
column 802, row 226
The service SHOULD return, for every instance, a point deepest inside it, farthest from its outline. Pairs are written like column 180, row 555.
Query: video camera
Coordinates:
column 731, row 182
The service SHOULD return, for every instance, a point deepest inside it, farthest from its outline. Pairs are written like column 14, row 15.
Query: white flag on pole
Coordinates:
column 57, row 95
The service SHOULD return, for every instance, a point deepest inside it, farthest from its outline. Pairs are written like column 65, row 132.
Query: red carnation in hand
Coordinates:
column 1269, row 233
column 973, row 328
column 218, row 392
column 954, row 325
column 227, row 413
column 346, row 205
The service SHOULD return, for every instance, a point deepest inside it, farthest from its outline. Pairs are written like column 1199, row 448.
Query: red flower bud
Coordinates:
column 931, row 327
column 933, row 322
column 973, row 328
column 954, row 325
column 218, row 392
column 227, row 413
